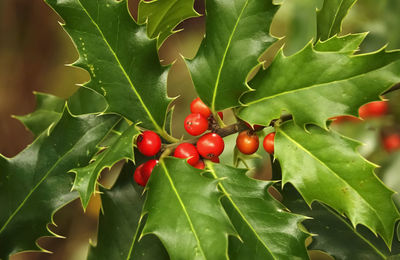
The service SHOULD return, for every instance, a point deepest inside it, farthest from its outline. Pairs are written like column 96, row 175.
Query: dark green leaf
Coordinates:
column 266, row 229
column 330, row 17
column 35, row 183
column 86, row 101
column 237, row 32
column 86, row 177
column 325, row 166
column 319, row 85
column 184, row 211
column 162, row 16
column 122, row 62
column 119, row 227
column 48, row 111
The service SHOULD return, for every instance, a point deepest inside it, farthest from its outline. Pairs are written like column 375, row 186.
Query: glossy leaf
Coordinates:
column 184, row 211
column 35, row 183
column 330, row 17
column 333, row 234
column 325, row 166
column 121, row 60
column 86, row 101
column 47, row 112
column 162, row 16
column 237, row 32
column 266, row 229
column 119, row 224
column 86, row 177
column 320, row 84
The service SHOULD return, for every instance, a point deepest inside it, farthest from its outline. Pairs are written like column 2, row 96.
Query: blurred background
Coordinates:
column 34, row 49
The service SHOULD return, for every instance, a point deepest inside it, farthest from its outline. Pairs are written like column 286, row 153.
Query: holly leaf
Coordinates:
column 86, row 101
column 48, row 111
column 330, row 17
column 86, row 177
column 122, row 62
column 265, row 227
column 184, row 211
column 320, row 84
column 119, row 223
column 326, row 167
column 333, row 233
column 237, row 32
column 35, row 183
column 162, row 16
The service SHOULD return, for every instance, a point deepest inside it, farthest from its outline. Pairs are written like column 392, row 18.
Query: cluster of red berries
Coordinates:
column 209, row 146
column 247, row 141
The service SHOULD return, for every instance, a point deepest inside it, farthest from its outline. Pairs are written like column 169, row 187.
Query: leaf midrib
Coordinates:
column 158, row 128
column 332, row 171
column 240, row 212
column 165, row 170
column 224, row 56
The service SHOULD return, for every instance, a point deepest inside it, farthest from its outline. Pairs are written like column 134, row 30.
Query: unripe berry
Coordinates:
column 197, row 106
column 148, row 143
column 196, row 124
column 187, row 150
column 247, row 142
column 268, row 143
column 210, row 145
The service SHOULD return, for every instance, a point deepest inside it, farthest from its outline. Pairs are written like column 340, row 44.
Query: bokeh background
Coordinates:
column 34, row 50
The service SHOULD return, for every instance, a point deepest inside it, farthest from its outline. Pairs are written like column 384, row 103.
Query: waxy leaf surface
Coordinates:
column 122, row 62
column 120, row 226
column 326, row 167
column 185, row 212
column 162, row 16
column 318, row 85
column 237, row 32
column 266, row 229
column 36, row 183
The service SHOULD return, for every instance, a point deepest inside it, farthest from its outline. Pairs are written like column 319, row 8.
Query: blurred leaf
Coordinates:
column 325, row 166
column 330, row 17
column 48, row 111
column 266, row 229
column 237, row 33
column 86, row 177
column 333, row 234
column 86, row 101
column 184, row 211
column 122, row 62
column 119, row 227
column 319, row 85
column 390, row 175
column 35, row 183
column 162, row 16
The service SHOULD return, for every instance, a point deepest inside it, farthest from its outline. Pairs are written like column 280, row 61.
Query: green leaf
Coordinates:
column 319, row 85
column 237, row 32
column 35, row 183
column 162, row 16
column 333, row 234
column 119, row 227
column 266, row 229
column 122, row 62
column 184, row 211
column 326, row 167
column 346, row 44
column 390, row 175
column 48, row 111
column 330, row 17
column 86, row 101
column 86, row 177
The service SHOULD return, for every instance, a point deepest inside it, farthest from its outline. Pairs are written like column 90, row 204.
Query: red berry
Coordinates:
column 143, row 172
column 341, row 119
column 210, row 145
column 199, row 165
column 148, row 143
column 247, row 142
column 373, row 109
column 221, row 115
column 197, row 106
column 196, row 124
column 138, row 177
column 187, row 150
column 268, row 143
column 215, row 159
column 391, row 142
